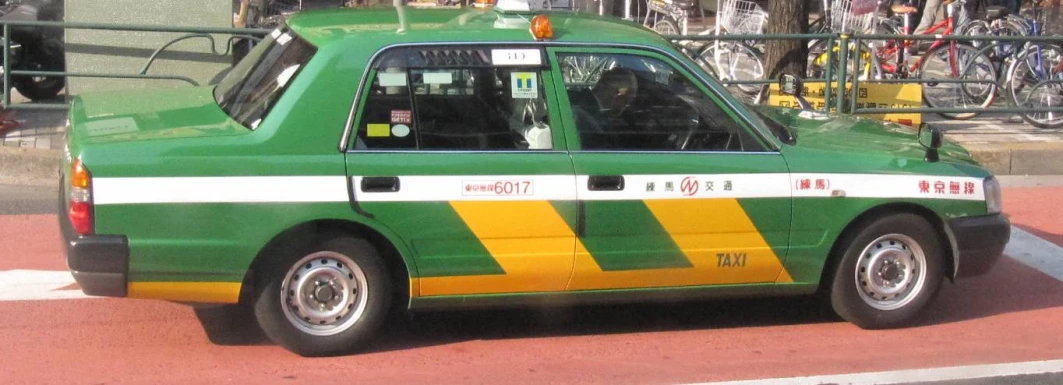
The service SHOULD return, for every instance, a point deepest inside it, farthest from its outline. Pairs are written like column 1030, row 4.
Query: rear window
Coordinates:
column 251, row 89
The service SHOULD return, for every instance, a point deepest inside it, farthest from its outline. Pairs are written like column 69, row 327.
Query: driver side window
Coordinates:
column 624, row 102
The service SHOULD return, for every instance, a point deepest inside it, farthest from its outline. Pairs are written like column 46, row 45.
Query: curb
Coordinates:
column 30, row 167
column 1019, row 158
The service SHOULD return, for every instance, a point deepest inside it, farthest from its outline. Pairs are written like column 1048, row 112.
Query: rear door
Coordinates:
column 673, row 189
column 459, row 151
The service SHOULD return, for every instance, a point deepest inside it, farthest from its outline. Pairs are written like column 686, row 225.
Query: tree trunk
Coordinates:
column 786, row 16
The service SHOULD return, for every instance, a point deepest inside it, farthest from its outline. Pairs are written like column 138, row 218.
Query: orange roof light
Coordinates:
column 541, row 28
column 484, row 3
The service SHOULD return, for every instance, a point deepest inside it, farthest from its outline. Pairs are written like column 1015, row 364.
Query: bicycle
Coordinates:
column 837, row 18
column 733, row 60
column 1035, row 78
column 669, row 16
column 944, row 63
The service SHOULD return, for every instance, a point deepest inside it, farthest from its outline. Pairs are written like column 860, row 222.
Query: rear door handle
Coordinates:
column 379, row 184
column 605, row 183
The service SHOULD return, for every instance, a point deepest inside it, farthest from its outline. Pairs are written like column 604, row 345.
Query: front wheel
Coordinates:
column 49, row 56
column 327, row 300
column 889, row 270
column 1035, row 80
column 732, row 61
column 944, row 66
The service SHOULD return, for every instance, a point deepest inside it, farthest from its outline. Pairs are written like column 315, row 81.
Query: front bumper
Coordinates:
column 980, row 242
column 99, row 263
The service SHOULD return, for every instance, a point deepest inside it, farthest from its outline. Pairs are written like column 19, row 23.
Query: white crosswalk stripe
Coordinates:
column 32, row 285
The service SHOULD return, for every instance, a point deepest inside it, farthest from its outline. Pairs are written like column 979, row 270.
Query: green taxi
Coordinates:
column 443, row 159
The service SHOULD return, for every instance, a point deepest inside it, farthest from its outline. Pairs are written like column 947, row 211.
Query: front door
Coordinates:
column 673, row 190
column 459, row 151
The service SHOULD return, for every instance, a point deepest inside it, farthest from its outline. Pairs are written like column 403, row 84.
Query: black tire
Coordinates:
column 878, row 249
column 277, row 317
column 49, row 56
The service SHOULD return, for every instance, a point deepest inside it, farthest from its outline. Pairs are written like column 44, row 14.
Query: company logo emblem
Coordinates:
column 689, row 186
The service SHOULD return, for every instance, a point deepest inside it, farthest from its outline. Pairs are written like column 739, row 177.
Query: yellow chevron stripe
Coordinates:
column 529, row 240
column 211, row 292
column 701, row 228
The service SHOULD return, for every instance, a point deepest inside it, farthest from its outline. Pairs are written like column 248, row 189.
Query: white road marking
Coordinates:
column 34, row 285
column 1045, row 256
column 914, row 375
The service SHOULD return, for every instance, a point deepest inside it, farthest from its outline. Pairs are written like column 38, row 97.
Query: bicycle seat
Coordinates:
column 996, row 12
column 902, row 9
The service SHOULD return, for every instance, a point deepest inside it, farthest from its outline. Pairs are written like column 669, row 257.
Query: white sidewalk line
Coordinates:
column 32, row 285
column 1035, row 252
column 913, row 375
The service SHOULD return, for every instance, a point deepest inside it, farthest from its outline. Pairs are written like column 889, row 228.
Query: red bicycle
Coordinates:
column 953, row 74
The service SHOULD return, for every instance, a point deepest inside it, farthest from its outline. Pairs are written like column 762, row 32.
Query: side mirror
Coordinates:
column 931, row 138
column 790, row 84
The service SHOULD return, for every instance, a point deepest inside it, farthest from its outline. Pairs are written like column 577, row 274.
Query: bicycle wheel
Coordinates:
column 666, row 25
column 950, row 62
column 1034, row 81
column 735, row 61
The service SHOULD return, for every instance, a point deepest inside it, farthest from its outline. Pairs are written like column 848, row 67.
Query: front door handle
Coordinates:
column 378, row 184
column 605, row 183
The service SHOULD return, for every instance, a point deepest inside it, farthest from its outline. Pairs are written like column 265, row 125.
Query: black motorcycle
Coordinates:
column 35, row 48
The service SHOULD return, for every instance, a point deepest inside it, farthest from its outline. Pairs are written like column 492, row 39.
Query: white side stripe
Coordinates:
column 280, row 189
column 243, row 189
column 888, row 186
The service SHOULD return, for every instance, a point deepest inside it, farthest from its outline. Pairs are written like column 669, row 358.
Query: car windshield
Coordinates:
column 248, row 92
column 776, row 127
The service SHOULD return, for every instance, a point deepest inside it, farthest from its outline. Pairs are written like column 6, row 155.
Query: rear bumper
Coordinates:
column 980, row 242
column 99, row 263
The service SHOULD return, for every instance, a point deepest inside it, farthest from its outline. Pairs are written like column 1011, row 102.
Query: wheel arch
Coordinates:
column 394, row 254
column 883, row 210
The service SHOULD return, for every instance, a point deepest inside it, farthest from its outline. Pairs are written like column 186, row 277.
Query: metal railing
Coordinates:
column 835, row 96
column 191, row 32
column 847, row 103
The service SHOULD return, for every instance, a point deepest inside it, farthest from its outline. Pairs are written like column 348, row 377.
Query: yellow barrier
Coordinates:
column 870, row 95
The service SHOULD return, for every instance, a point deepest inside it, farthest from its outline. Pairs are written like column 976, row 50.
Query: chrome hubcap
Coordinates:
column 891, row 272
column 324, row 293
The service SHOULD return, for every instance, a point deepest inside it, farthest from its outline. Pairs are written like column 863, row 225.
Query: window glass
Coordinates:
column 248, row 92
column 635, row 103
column 479, row 107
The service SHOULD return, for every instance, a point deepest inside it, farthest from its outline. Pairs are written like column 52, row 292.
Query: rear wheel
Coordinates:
column 1035, row 80
column 328, row 299
column 889, row 270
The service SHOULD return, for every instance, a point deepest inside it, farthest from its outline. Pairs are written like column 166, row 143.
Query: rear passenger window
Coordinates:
column 442, row 104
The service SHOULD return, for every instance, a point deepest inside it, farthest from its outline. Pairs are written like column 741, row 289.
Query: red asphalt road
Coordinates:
column 1012, row 314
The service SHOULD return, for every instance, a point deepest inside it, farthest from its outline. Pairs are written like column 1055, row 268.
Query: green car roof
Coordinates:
column 381, row 26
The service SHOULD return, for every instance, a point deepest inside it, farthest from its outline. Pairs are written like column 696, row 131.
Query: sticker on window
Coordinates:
column 378, row 130
column 523, row 85
column 391, row 79
column 516, row 57
column 284, row 39
column 438, row 77
column 400, row 130
column 401, row 117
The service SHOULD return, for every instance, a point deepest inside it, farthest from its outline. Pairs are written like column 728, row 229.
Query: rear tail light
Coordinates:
column 80, row 205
